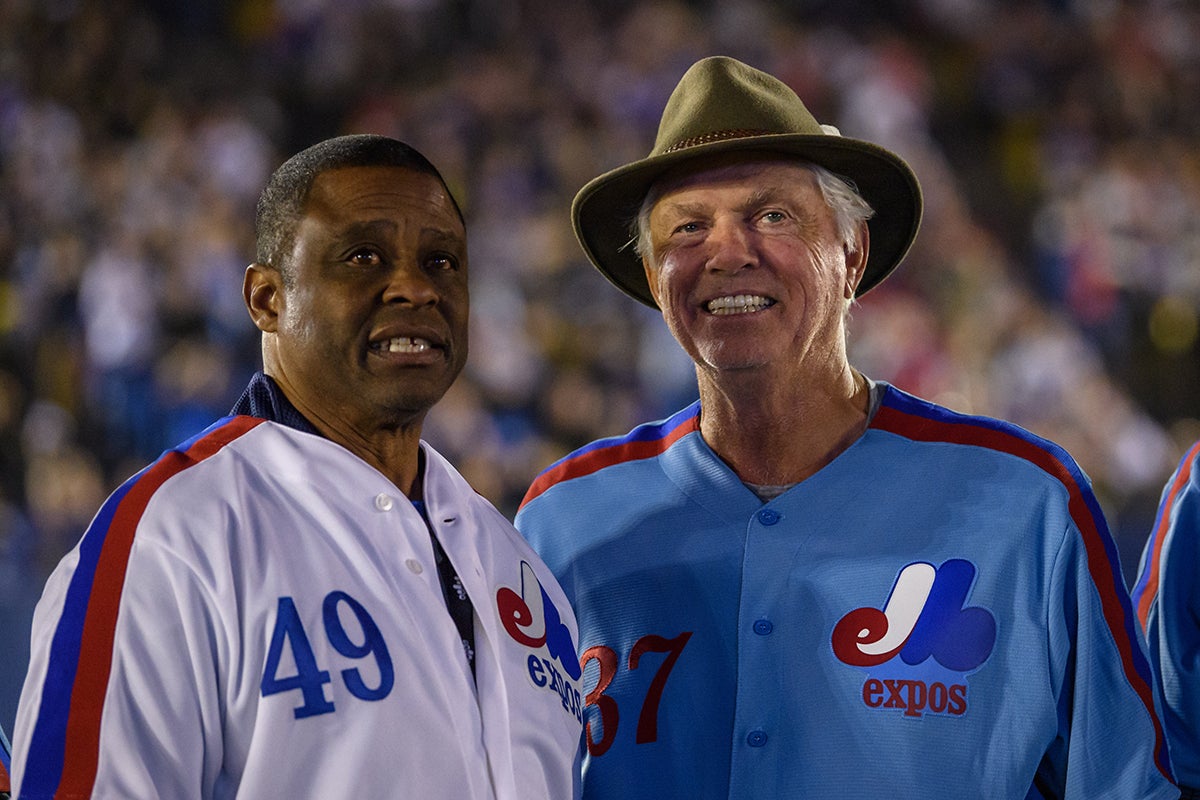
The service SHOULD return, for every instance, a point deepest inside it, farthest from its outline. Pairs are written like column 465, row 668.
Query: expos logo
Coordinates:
column 531, row 619
column 919, row 647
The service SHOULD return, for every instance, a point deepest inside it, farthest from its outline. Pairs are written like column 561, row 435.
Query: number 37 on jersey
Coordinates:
column 651, row 653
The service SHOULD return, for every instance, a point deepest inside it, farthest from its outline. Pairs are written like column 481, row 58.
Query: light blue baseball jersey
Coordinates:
column 1167, row 599
column 939, row 612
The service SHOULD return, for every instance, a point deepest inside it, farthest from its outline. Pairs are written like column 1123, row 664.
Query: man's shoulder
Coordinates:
column 921, row 421
column 1185, row 479
column 1177, row 524
column 245, row 441
column 602, row 456
column 206, row 474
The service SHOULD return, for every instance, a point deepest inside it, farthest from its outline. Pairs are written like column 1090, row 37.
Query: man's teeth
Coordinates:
column 739, row 304
column 405, row 344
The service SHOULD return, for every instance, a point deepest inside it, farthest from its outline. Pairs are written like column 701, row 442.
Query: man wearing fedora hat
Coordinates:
column 807, row 583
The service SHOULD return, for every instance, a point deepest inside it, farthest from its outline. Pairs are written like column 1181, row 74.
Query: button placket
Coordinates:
column 769, row 516
column 385, row 504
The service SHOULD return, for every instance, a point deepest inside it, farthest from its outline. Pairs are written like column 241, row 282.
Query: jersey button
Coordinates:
column 414, row 566
column 769, row 516
column 383, row 502
column 763, row 627
column 756, row 738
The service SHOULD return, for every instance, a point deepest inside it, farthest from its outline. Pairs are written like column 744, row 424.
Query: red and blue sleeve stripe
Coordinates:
column 644, row 441
column 5, row 764
column 918, row 420
column 65, row 742
column 1146, row 589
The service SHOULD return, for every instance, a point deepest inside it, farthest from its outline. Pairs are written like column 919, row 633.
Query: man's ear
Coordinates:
column 262, row 291
column 856, row 260
column 651, row 280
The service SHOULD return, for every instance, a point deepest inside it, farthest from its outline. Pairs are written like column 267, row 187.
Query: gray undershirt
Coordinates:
column 770, row 492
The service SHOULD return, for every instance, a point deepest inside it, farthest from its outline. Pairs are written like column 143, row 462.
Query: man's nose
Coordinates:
column 731, row 245
column 410, row 283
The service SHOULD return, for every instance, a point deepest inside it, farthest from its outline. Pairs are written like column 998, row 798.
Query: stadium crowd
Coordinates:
column 1054, row 283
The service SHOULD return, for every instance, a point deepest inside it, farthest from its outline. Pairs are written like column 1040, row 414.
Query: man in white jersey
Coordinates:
column 305, row 600
column 809, row 584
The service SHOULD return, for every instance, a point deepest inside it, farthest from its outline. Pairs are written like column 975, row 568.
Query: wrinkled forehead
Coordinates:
column 761, row 169
column 746, row 173
column 347, row 195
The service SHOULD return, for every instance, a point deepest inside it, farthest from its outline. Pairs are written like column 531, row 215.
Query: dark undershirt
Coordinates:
column 455, row 594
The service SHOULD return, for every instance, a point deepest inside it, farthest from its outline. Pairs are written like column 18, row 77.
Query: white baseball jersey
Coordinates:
column 258, row 615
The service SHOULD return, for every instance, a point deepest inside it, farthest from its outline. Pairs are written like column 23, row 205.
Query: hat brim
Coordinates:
column 604, row 209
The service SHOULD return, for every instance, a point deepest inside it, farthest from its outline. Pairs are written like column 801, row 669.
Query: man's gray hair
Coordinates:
column 841, row 195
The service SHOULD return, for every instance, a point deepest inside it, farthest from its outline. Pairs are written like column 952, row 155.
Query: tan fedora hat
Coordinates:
column 723, row 105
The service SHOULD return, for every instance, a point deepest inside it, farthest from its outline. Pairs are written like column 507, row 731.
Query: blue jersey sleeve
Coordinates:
column 1167, row 598
column 5, row 765
column 1105, row 677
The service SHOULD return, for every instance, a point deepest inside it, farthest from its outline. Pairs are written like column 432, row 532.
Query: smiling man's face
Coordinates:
column 368, row 312
column 747, row 266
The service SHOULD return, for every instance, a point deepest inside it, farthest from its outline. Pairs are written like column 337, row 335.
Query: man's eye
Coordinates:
column 773, row 216
column 364, row 258
column 443, row 261
column 688, row 227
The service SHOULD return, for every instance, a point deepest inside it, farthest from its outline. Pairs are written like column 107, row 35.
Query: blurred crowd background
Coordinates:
column 1055, row 282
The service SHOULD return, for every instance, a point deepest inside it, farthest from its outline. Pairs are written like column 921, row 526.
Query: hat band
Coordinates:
column 716, row 136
